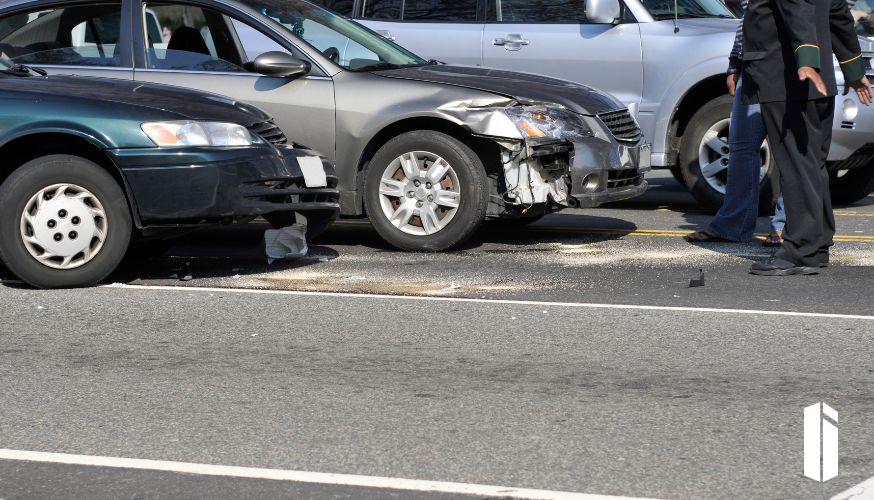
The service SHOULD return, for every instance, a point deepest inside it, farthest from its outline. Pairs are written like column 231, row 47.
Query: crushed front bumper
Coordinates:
column 603, row 172
column 203, row 185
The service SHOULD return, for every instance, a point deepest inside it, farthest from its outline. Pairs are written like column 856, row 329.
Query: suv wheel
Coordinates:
column 704, row 158
column 64, row 222
column 426, row 191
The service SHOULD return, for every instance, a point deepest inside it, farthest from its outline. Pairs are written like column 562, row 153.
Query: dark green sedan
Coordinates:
column 89, row 165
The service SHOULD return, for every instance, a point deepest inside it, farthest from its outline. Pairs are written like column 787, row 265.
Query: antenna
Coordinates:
column 676, row 18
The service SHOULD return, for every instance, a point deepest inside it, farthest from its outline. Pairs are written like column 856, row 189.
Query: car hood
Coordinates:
column 525, row 88
column 177, row 103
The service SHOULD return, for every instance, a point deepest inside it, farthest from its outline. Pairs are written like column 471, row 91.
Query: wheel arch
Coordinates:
column 697, row 96
column 26, row 147
column 487, row 150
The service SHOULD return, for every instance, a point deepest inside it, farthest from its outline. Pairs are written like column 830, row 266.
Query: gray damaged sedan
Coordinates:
column 428, row 151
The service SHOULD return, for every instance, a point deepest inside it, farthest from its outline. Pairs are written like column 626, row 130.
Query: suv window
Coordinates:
column 439, row 10
column 72, row 36
column 342, row 7
column 421, row 10
column 382, row 9
column 543, row 11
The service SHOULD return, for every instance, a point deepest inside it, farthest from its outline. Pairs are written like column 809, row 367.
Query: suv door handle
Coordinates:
column 386, row 34
column 513, row 42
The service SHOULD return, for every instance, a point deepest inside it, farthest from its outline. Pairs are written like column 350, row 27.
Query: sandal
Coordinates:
column 704, row 237
column 775, row 239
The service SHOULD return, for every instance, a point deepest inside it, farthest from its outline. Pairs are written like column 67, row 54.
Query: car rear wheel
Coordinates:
column 426, row 191
column 851, row 186
column 704, row 154
column 64, row 222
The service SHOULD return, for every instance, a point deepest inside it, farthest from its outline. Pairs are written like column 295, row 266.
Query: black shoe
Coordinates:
column 780, row 267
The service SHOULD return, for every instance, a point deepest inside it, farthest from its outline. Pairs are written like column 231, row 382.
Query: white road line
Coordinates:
column 301, row 476
column 256, row 291
column 862, row 491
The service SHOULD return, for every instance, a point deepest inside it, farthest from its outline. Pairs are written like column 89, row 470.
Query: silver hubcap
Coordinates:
column 713, row 156
column 419, row 193
column 63, row 226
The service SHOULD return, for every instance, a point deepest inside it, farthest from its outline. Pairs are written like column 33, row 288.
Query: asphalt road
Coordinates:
column 639, row 402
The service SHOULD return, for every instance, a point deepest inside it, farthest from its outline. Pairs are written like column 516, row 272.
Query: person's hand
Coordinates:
column 812, row 75
column 862, row 88
column 731, row 81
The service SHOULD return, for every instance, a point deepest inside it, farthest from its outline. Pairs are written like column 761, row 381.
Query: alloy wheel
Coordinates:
column 713, row 154
column 419, row 193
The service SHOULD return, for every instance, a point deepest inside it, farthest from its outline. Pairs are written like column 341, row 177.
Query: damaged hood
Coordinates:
column 525, row 88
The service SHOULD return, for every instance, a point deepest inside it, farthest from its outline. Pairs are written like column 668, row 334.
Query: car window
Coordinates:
column 349, row 44
column 439, row 10
column 541, row 11
column 382, row 9
column 342, row 7
column 191, row 39
column 422, row 10
column 254, row 42
column 74, row 36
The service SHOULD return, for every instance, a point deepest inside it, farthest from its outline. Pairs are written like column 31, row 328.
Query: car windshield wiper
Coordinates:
column 22, row 70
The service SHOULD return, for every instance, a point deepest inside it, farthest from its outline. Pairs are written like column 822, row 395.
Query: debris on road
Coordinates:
column 286, row 243
column 699, row 281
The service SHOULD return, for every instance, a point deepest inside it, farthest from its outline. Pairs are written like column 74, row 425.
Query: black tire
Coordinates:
column 707, row 196
column 853, row 186
column 678, row 174
column 474, row 187
column 317, row 222
column 36, row 175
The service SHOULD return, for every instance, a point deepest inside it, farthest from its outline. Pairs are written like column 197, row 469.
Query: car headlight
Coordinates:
column 192, row 133
column 548, row 122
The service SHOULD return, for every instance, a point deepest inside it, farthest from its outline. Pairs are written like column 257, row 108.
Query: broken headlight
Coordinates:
column 548, row 122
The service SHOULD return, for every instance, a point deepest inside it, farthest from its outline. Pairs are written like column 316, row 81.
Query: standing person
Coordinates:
column 786, row 43
column 736, row 218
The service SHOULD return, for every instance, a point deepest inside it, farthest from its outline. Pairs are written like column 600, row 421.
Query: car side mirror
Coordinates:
column 603, row 11
column 278, row 64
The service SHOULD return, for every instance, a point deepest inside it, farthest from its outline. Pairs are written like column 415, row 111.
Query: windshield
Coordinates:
column 347, row 43
column 664, row 9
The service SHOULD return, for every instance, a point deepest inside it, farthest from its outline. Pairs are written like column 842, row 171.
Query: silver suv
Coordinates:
column 670, row 71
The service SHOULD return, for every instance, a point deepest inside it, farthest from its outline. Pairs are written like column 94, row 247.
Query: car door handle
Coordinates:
column 513, row 42
column 386, row 34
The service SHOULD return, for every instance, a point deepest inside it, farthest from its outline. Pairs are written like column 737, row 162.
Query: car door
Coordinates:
column 86, row 39
column 207, row 49
column 554, row 38
column 445, row 30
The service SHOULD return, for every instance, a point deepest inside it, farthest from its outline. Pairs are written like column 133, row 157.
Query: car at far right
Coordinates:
column 665, row 60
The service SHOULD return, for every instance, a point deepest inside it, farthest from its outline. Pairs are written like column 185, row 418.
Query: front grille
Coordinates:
column 621, row 124
column 269, row 132
column 623, row 178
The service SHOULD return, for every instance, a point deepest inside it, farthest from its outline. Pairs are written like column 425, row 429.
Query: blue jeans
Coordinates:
column 736, row 219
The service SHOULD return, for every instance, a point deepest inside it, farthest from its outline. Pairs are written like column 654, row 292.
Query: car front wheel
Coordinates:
column 64, row 222
column 426, row 191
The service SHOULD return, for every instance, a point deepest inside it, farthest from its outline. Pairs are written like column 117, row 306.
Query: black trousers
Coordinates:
column 800, row 134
